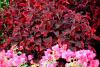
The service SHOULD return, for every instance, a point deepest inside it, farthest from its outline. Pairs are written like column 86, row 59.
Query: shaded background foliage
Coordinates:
column 4, row 3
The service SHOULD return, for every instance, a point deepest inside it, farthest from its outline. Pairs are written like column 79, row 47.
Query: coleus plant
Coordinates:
column 36, row 25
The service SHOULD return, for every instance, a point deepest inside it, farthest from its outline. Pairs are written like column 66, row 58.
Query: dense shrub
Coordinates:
column 36, row 25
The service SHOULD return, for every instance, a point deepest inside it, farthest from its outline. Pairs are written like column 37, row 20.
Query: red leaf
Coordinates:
column 22, row 4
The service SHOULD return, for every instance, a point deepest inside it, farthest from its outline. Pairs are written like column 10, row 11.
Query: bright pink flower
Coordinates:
column 48, row 51
column 30, row 57
column 82, row 57
column 9, row 53
column 94, row 63
column 67, row 55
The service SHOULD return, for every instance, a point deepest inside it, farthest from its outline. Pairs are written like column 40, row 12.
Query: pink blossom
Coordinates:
column 9, row 53
column 82, row 57
column 94, row 63
column 30, row 57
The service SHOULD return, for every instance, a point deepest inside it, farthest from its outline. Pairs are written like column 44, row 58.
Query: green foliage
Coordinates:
column 24, row 65
column 4, row 3
column 2, row 40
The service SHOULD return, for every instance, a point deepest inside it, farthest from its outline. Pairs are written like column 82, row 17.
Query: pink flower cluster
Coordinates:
column 10, row 58
column 81, row 58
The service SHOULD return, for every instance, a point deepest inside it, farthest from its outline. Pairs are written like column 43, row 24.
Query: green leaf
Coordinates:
column 19, row 53
column 7, row 2
column 24, row 65
column 4, row 3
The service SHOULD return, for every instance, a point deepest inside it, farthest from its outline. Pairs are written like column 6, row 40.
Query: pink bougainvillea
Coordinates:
column 9, row 59
column 81, row 58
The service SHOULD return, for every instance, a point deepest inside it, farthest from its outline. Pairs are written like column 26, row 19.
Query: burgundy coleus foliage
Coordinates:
column 39, row 24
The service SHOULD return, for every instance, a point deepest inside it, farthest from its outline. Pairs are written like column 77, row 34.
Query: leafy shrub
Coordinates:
column 36, row 25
